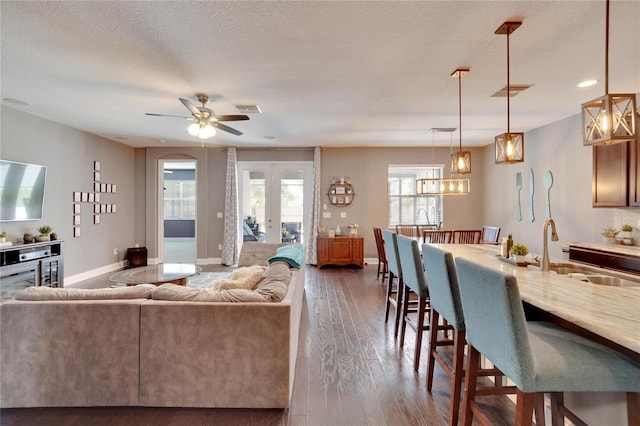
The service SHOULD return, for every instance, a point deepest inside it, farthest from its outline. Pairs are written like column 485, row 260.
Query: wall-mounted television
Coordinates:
column 21, row 191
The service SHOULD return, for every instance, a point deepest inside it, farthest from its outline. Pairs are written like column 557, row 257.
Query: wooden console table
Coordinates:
column 340, row 251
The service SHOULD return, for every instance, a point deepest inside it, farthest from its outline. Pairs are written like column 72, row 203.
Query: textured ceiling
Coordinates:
column 323, row 73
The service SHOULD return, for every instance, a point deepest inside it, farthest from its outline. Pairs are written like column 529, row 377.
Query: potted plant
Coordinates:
column 28, row 237
column 519, row 251
column 626, row 234
column 44, row 231
column 3, row 237
column 609, row 235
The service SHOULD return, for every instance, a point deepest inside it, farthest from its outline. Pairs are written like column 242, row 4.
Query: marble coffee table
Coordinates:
column 174, row 273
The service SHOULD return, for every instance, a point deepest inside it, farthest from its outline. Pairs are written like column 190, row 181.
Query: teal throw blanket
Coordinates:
column 290, row 253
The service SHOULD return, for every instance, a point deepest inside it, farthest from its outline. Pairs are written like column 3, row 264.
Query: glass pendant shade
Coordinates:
column 509, row 148
column 202, row 130
column 443, row 186
column 609, row 119
column 461, row 162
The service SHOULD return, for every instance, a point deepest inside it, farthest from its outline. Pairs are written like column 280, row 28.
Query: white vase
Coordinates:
column 521, row 258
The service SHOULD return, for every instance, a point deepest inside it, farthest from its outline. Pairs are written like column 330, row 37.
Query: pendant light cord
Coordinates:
column 606, row 51
column 460, row 107
column 508, row 88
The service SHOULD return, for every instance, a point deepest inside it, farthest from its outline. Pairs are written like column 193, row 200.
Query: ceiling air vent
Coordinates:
column 249, row 109
column 514, row 89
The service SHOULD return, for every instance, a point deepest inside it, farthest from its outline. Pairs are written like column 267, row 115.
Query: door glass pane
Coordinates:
column 292, row 206
column 253, row 205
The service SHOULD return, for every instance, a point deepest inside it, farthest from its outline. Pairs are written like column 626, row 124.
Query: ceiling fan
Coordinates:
column 205, row 119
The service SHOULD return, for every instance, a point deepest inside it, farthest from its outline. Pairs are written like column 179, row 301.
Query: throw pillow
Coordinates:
column 242, row 278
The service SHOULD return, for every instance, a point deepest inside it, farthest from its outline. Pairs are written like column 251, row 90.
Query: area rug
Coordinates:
column 206, row 279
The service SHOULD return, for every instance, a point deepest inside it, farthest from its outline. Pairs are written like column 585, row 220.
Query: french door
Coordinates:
column 275, row 200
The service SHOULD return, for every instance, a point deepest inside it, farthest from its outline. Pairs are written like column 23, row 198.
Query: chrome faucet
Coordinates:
column 545, row 243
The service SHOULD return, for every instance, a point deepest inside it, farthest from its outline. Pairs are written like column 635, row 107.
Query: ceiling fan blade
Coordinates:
column 191, row 107
column 167, row 115
column 226, row 128
column 237, row 117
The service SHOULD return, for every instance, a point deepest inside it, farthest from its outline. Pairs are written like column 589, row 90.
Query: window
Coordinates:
column 180, row 199
column 405, row 207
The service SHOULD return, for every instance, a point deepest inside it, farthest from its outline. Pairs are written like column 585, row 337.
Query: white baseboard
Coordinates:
column 74, row 279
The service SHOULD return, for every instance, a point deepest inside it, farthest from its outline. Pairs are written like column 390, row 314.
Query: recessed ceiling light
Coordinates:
column 269, row 137
column 161, row 141
column 16, row 101
column 587, row 83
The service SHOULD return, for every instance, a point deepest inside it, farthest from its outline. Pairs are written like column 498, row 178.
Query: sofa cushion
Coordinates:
column 142, row 291
column 275, row 282
column 180, row 293
column 255, row 253
column 245, row 277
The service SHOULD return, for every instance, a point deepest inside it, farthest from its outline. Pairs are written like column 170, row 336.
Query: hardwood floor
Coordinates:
column 350, row 371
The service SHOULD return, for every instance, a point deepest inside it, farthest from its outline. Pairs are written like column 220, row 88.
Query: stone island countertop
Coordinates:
column 610, row 312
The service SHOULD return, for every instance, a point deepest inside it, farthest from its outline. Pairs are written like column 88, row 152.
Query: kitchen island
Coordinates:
column 612, row 313
column 607, row 314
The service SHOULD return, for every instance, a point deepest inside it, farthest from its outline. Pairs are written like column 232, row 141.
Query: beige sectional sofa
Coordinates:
column 135, row 350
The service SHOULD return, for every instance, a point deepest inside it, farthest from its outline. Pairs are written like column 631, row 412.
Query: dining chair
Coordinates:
column 537, row 356
column 383, row 267
column 408, row 230
column 467, row 236
column 436, row 237
column 394, row 293
column 414, row 282
column 490, row 235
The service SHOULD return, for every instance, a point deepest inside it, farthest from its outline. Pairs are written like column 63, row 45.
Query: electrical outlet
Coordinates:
column 219, row 215
column 219, row 246
column 115, row 251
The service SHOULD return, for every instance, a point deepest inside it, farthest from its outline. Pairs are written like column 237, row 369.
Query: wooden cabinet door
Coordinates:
column 610, row 175
column 634, row 173
column 323, row 251
column 357, row 251
column 340, row 250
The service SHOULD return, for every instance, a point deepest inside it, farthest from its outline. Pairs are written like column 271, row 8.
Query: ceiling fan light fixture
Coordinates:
column 509, row 146
column 609, row 119
column 202, row 130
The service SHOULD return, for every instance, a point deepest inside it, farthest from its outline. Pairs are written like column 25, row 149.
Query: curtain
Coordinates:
column 231, row 233
column 311, row 249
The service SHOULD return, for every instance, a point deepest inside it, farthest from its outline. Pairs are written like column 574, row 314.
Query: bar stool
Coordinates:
column 445, row 302
column 416, row 282
column 395, row 271
column 537, row 356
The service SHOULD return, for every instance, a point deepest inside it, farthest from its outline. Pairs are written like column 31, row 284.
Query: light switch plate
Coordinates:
column 343, row 215
column 326, row 215
column 219, row 215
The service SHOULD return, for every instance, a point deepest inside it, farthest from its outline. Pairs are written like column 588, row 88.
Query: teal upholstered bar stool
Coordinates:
column 537, row 356
column 415, row 282
column 445, row 302
column 394, row 294
column 444, row 295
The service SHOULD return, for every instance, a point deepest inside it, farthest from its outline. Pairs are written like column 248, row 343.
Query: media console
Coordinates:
column 32, row 264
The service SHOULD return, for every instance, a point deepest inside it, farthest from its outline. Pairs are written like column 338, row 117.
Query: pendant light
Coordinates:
column 509, row 146
column 201, row 129
column 609, row 119
column 442, row 186
column 461, row 160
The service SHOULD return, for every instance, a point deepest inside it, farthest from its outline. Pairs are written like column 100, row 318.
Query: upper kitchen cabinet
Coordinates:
column 616, row 175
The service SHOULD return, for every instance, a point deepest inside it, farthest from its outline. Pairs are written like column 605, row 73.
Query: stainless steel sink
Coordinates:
column 611, row 281
column 565, row 269
column 593, row 275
